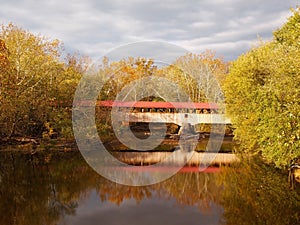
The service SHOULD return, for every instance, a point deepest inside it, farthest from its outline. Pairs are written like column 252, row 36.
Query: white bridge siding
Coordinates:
column 177, row 118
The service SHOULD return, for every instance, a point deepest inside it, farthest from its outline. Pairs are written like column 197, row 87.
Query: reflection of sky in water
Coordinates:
column 92, row 211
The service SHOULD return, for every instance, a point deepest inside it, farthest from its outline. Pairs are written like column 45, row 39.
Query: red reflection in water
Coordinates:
column 186, row 169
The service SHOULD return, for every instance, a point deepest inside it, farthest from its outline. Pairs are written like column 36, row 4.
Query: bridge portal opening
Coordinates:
column 143, row 130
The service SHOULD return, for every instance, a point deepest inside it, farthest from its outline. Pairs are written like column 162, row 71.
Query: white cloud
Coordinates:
column 93, row 26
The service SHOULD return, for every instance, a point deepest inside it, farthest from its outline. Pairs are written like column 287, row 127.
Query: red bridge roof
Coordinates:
column 160, row 105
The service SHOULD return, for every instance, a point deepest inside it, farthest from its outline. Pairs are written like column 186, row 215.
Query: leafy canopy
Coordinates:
column 262, row 95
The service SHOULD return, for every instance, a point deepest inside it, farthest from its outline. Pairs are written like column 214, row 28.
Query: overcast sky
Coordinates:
column 94, row 27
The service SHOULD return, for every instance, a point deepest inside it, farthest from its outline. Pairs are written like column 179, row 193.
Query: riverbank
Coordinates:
column 32, row 144
column 111, row 143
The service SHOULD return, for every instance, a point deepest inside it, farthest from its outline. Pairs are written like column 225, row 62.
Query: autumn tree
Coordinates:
column 27, row 80
column 34, row 78
column 118, row 75
column 60, row 112
column 200, row 75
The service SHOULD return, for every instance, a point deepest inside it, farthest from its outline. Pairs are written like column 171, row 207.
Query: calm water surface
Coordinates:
column 60, row 188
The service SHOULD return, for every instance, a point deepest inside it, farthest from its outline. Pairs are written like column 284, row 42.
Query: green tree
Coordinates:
column 262, row 96
column 289, row 33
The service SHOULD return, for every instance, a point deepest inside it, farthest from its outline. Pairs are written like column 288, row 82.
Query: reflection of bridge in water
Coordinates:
column 177, row 158
column 167, row 112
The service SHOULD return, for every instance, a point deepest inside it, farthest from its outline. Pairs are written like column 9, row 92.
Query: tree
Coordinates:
column 118, row 75
column 36, row 85
column 62, row 94
column 199, row 75
column 262, row 96
column 26, row 80
column 289, row 33
column 4, row 53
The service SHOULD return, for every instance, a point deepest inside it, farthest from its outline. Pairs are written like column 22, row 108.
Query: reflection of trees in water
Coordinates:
column 255, row 193
column 117, row 193
column 32, row 192
column 194, row 189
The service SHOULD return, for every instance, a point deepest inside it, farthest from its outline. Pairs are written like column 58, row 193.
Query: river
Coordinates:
column 52, row 187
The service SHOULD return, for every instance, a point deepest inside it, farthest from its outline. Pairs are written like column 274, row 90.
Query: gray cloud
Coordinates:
column 93, row 27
